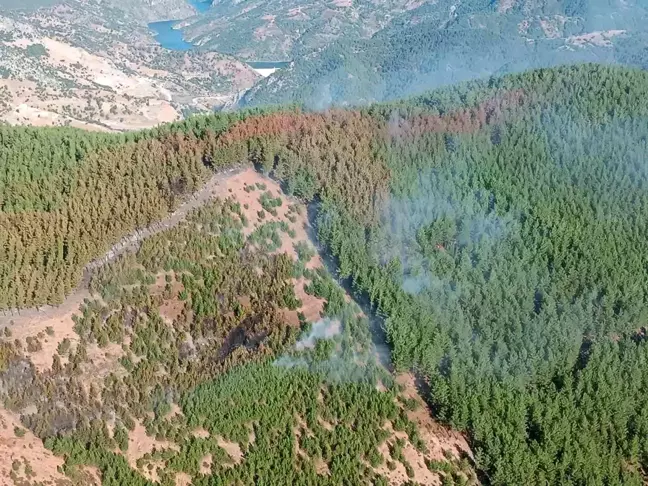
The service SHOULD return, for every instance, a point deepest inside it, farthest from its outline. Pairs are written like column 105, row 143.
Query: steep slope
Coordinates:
column 275, row 30
column 229, row 293
column 140, row 12
column 497, row 229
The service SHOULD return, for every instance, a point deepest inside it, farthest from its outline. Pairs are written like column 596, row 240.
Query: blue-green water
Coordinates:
column 168, row 37
column 200, row 5
column 171, row 38
column 268, row 64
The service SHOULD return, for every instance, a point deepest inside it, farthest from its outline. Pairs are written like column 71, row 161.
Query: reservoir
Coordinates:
column 268, row 64
column 172, row 39
column 201, row 6
column 168, row 37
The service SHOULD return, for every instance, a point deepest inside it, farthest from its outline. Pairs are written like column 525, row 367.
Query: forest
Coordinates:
column 197, row 318
column 496, row 227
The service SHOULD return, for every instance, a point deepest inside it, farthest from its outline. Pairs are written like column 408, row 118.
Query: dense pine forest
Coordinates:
column 498, row 229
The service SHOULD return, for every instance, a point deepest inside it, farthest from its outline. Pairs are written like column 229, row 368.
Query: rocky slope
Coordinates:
column 276, row 30
column 95, row 65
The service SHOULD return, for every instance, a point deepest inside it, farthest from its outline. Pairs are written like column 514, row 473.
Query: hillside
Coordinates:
column 141, row 12
column 494, row 232
column 95, row 65
column 446, row 42
column 224, row 301
column 275, row 30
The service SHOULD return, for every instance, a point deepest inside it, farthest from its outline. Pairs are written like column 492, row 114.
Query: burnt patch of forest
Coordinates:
column 78, row 202
column 230, row 329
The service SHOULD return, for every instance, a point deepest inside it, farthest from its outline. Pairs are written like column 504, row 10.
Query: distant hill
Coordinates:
column 274, row 30
column 27, row 4
column 141, row 11
column 95, row 64
column 446, row 42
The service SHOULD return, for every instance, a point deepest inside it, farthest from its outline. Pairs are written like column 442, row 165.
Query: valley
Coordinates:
column 76, row 64
column 125, row 67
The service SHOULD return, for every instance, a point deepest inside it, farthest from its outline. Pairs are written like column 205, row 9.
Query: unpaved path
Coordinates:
column 130, row 242
column 197, row 199
column 231, row 183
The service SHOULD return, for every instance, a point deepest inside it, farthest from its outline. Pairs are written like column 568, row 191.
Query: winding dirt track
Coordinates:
column 34, row 322
column 133, row 240
column 129, row 242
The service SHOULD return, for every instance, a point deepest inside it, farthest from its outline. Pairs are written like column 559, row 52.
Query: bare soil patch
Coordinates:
column 36, row 323
column 505, row 5
column 232, row 449
column 115, row 80
column 206, row 464
column 32, row 323
column 182, row 479
column 439, row 440
column 92, row 475
column 200, row 433
column 553, row 26
column 398, row 475
column 27, row 449
column 171, row 308
column 139, row 444
column 234, row 187
column 598, row 38
column 437, row 437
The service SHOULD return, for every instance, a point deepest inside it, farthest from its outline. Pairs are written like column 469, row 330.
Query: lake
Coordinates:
column 168, row 37
column 200, row 5
column 268, row 64
column 172, row 39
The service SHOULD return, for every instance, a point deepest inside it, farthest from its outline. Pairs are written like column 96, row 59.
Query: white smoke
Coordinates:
column 289, row 362
column 323, row 329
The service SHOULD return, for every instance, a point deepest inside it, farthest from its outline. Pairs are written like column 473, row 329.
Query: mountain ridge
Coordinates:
column 495, row 227
column 447, row 42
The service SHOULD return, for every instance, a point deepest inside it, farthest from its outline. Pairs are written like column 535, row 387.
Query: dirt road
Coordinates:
column 130, row 242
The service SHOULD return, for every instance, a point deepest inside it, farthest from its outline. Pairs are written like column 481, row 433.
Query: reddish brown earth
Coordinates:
column 20, row 453
column 35, row 323
column 439, row 440
column 234, row 186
